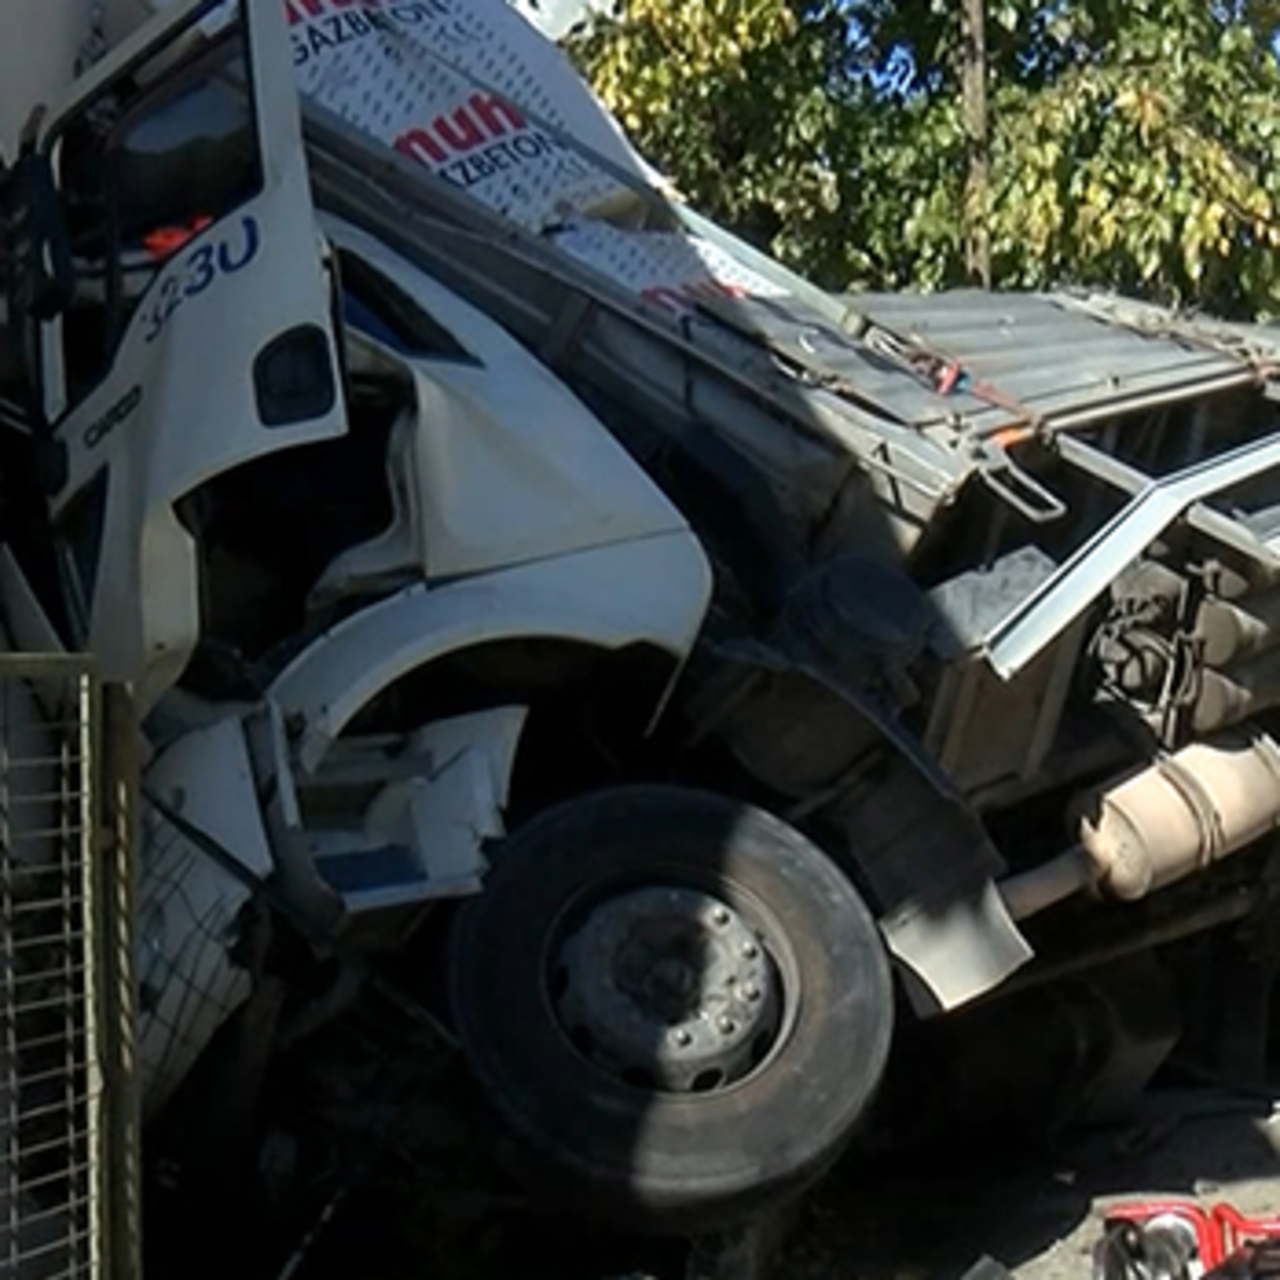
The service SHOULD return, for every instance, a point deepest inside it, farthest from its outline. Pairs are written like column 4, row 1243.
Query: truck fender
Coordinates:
column 652, row 591
column 920, row 851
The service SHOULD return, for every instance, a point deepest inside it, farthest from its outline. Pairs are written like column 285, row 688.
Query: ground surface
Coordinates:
column 419, row 1186
column 930, row 1215
column 1038, row 1214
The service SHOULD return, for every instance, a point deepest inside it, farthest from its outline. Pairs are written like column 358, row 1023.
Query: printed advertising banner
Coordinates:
column 472, row 91
column 453, row 84
column 666, row 268
column 408, row 73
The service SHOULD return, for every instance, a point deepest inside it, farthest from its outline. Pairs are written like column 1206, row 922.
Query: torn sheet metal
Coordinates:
column 424, row 835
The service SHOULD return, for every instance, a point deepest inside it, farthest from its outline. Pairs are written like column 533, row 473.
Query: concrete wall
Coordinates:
column 39, row 40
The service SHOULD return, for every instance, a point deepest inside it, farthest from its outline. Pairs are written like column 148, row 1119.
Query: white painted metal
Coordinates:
column 39, row 41
column 653, row 591
column 443, row 814
column 466, row 89
column 189, row 425
column 555, row 18
column 499, row 464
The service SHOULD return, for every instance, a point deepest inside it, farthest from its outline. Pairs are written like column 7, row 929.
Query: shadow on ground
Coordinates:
column 934, row 1213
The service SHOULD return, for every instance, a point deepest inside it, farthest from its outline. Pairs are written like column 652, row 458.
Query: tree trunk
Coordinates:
column 974, row 52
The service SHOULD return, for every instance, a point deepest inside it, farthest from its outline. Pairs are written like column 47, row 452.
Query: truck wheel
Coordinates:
column 678, row 1004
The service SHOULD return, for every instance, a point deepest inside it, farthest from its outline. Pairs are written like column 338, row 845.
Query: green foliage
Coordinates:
column 1133, row 142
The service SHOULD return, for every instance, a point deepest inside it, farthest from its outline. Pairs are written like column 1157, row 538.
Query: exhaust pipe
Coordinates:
column 1181, row 814
column 1168, row 821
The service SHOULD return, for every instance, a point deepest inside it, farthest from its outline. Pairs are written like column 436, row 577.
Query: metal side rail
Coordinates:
column 1157, row 504
column 1129, row 479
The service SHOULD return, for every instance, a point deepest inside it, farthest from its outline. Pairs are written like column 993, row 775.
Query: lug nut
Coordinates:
column 750, row 950
column 720, row 916
column 751, row 991
column 682, row 1038
column 728, row 1026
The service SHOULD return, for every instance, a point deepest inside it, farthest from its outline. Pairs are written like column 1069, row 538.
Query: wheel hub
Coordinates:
column 669, row 988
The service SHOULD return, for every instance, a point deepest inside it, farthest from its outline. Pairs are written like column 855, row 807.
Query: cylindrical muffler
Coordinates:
column 1245, row 689
column 1230, row 630
column 1182, row 813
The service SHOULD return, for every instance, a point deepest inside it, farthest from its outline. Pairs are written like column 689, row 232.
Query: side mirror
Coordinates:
column 37, row 272
column 35, row 248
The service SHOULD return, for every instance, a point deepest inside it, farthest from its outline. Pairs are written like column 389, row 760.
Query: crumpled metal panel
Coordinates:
column 1053, row 355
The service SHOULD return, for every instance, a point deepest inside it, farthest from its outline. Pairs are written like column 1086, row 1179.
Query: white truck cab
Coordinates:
column 371, row 506
column 204, row 331
column 276, row 455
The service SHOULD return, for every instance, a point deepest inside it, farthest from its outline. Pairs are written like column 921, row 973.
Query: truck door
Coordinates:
column 199, row 333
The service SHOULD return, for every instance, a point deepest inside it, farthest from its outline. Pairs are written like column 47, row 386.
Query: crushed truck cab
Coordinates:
column 520, row 548
column 286, row 471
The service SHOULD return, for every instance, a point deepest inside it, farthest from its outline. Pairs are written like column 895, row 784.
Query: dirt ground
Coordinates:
column 439, row 1208
column 1039, row 1215
column 929, row 1215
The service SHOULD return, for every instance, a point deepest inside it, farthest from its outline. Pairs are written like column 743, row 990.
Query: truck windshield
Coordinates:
column 146, row 166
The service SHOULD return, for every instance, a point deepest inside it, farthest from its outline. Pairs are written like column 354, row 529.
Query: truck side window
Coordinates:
column 145, row 169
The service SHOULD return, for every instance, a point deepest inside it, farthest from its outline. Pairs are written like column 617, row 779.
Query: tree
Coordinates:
column 973, row 96
column 1133, row 143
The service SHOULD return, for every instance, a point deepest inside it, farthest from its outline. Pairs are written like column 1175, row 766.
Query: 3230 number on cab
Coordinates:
column 199, row 270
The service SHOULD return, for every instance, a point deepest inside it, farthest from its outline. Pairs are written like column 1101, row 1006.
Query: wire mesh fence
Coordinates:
column 190, row 981
column 67, row 1132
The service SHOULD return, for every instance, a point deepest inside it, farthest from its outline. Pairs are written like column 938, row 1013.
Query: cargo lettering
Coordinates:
column 682, row 298
column 354, row 20
column 299, row 11
column 485, row 136
column 479, row 120
column 335, row 30
column 498, row 158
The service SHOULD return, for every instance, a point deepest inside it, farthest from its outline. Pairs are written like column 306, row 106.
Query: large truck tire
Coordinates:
column 680, row 1005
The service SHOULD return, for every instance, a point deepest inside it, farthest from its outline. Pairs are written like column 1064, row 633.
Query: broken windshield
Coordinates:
column 146, row 166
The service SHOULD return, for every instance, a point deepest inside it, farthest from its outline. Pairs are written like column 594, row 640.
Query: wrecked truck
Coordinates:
column 730, row 668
